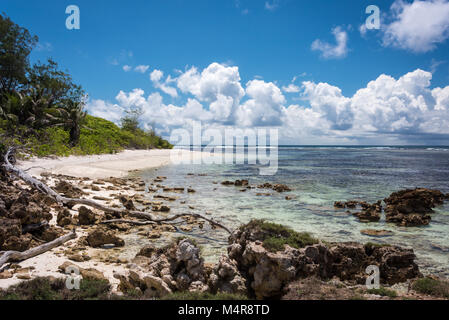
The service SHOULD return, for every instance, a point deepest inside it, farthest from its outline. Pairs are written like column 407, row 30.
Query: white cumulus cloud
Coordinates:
column 156, row 77
column 264, row 106
column 219, row 85
column 333, row 51
column 419, row 26
column 387, row 110
column 291, row 88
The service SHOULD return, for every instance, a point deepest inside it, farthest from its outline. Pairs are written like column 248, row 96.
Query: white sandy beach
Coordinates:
column 101, row 166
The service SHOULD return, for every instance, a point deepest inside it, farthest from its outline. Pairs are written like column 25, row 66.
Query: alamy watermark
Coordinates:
column 373, row 20
column 258, row 147
column 73, row 21
column 373, row 279
column 73, row 279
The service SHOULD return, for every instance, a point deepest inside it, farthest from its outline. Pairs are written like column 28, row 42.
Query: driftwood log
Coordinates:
column 16, row 256
column 70, row 202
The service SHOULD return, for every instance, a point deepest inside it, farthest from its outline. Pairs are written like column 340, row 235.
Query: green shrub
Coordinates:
column 91, row 289
column 384, row 292
column 52, row 141
column 36, row 289
column 275, row 236
column 432, row 287
column 55, row 289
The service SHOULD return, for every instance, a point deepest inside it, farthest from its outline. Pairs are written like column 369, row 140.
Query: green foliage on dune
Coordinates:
column 102, row 136
column 98, row 136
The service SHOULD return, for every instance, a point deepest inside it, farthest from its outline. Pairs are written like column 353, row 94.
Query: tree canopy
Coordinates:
column 16, row 44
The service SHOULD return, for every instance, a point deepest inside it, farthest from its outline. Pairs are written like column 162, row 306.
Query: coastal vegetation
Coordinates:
column 275, row 236
column 56, row 289
column 430, row 286
column 384, row 292
column 47, row 288
column 42, row 109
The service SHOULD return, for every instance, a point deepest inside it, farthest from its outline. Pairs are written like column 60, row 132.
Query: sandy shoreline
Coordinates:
column 101, row 166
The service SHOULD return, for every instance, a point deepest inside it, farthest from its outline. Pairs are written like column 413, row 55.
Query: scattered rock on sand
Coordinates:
column 160, row 208
column 127, row 203
column 86, row 216
column 6, row 275
column 9, row 228
column 64, row 218
column 68, row 190
column 90, row 273
column 94, row 187
column 100, row 237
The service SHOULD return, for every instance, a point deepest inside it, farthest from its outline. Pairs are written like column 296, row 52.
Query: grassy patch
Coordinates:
column 384, row 292
column 55, row 289
column 98, row 136
column 203, row 296
column 276, row 236
column 432, row 287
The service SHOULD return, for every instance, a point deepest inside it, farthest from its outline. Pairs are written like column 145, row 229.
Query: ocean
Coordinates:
column 319, row 176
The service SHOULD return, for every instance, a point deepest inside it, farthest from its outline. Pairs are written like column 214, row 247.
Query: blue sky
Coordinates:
column 269, row 41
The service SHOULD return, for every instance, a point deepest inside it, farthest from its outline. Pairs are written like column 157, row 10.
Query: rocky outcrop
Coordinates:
column 9, row 228
column 100, row 237
column 26, row 207
column 127, row 203
column 86, row 216
column 370, row 212
column 275, row 187
column 412, row 207
column 68, row 190
column 23, row 214
column 158, row 272
column 64, row 218
column 269, row 272
column 11, row 237
column 241, row 183
column 49, row 233
column 226, row 278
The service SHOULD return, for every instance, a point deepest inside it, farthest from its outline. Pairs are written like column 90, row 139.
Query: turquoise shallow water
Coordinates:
column 319, row 176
